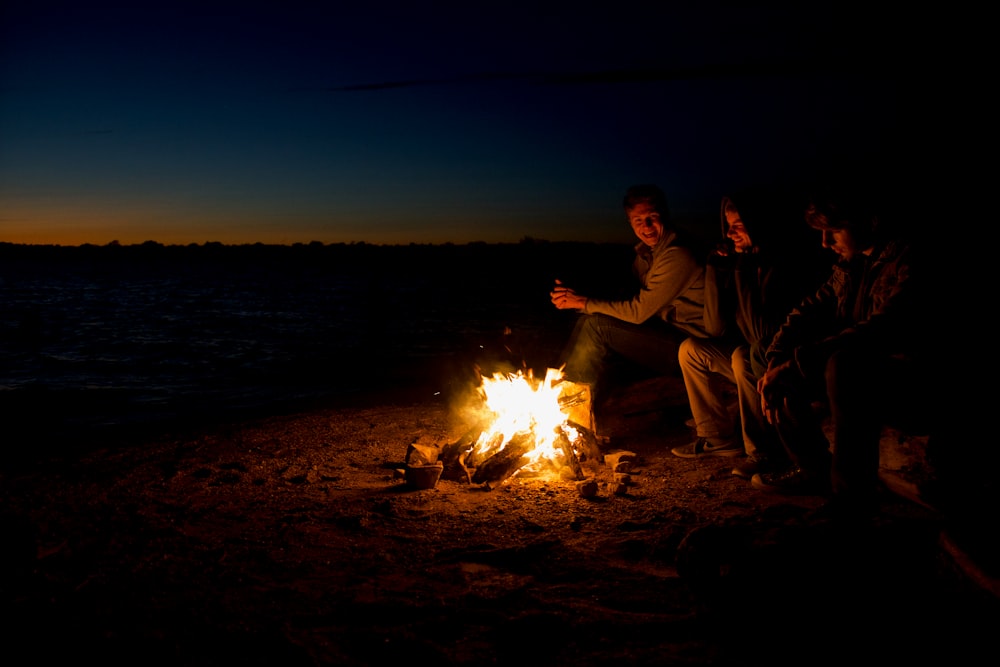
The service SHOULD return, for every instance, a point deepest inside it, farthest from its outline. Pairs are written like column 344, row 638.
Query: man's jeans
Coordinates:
column 598, row 340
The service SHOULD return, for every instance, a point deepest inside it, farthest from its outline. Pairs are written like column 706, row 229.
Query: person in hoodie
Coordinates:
column 752, row 280
column 647, row 327
column 861, row 346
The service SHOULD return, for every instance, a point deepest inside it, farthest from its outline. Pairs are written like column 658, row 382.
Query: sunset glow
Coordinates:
column 337, row 125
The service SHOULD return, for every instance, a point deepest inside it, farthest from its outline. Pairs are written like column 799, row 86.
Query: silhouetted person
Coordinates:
column 858, row 345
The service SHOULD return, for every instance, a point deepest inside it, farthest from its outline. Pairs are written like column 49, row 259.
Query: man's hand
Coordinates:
column 565, row 298
column 770, row 386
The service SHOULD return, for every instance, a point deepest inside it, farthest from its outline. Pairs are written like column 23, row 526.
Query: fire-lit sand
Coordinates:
column 301, row 540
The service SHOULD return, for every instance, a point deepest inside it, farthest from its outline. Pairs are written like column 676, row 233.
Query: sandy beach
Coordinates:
column 155, row 509
column 292, row 539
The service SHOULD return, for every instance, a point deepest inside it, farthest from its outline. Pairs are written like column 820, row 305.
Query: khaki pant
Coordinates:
column 704, row 364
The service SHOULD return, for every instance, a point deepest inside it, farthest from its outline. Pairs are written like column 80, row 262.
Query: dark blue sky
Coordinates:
column 424, row 122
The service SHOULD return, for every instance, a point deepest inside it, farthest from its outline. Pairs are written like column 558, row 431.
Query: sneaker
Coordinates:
column 703, row 447
column 792, row 482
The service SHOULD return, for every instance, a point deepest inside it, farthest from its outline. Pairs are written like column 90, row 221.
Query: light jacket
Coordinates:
column 672, row 283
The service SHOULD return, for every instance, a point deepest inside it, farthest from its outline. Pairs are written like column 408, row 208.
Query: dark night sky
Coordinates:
column 427, row 122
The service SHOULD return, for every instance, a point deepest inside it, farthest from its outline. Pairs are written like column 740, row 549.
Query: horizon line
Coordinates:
column 309, row 244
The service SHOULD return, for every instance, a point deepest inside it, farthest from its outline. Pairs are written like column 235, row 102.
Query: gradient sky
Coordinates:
column 422, row 122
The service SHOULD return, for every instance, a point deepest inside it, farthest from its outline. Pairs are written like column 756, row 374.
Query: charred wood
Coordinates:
column 589, row 448
column 569, row 454
column 507, row 461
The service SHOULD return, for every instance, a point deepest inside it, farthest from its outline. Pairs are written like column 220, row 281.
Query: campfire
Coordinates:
column 529, row 427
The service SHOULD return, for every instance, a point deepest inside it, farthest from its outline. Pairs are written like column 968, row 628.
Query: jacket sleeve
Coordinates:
column 672, row 271
column 886, row 326
column 816, row 313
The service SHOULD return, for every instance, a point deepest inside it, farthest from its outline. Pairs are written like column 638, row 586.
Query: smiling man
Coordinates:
column 648, row 327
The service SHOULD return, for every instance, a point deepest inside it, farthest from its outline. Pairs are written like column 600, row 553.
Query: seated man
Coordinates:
column 666, row 307
column 860, row 345
column 751, row 283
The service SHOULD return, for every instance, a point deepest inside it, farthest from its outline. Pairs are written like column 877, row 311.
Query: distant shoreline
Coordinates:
column 703, row 226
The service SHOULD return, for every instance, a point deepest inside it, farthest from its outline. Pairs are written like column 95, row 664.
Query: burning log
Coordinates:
column 484, row 450
column 571, row 459
column 451, row 452
column 590, row 449
column 454, row 456
column 547, row 424
column 507, row 461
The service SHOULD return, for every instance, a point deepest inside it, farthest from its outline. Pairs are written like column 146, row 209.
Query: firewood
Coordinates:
column 590, row 449
column 571, row 460
column 481, row 452
column 456, row 471
column 451, row 453
column 507, row 461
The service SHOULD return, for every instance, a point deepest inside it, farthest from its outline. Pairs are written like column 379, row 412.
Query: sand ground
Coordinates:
column 292, row 540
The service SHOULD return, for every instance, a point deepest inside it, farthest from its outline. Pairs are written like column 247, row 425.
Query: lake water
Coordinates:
column 149, row 335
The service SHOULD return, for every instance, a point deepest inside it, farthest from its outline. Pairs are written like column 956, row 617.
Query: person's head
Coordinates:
column 848, row 226
column 736, row 231
column 647, row 212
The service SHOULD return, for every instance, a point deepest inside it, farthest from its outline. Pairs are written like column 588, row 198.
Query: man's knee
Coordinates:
column 593, row 327
column 697, row 355
column 687, row 351
column 740, row 361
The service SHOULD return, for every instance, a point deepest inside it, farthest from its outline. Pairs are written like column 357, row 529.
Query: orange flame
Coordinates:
column 520, row 405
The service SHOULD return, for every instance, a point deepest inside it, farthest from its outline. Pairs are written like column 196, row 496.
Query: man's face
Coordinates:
column 737, row 232
column 841, row 241
column 646, row 223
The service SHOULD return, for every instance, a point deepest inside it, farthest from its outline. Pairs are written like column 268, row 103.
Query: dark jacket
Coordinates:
column 748, row 295
column 873, row 301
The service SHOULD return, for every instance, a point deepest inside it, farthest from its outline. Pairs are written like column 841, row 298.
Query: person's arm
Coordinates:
column 809, row 321
column 892, row 317
column 772, row 386
column 673, row 270
column 566, row 298
column 801, row 325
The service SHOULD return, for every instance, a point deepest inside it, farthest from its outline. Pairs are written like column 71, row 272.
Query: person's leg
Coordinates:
column 598, row 338
column 800, row 431
column 853, row 382
column 704, row 362
column 583, row 356
column 760, row 441
column 653, row 344
column 700, row 359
